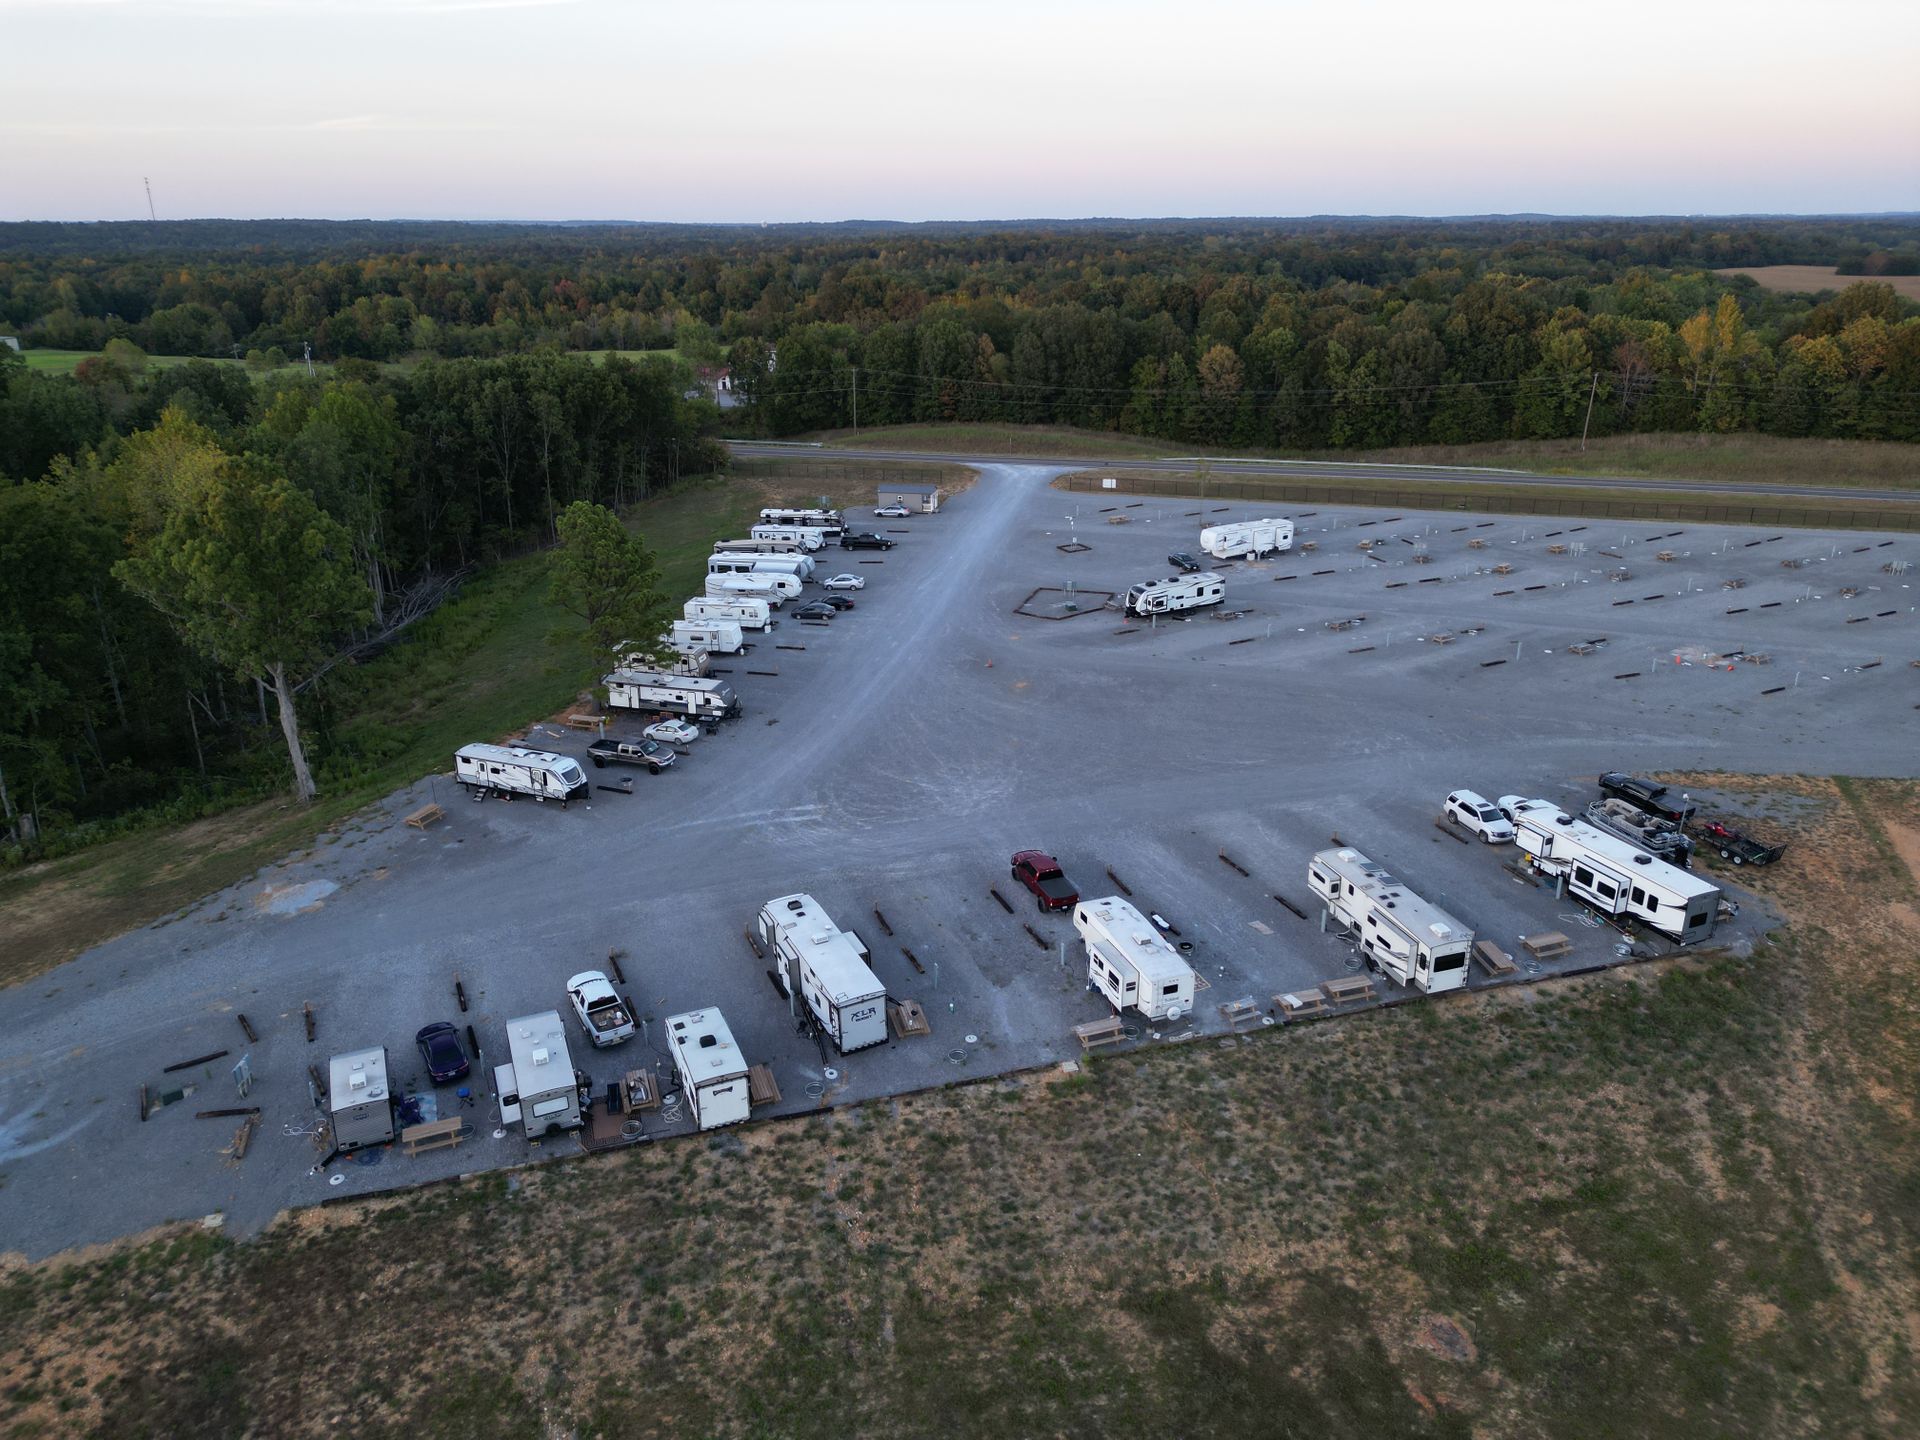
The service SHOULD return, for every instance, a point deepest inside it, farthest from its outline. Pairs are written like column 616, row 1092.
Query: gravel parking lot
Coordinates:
column 894, row 764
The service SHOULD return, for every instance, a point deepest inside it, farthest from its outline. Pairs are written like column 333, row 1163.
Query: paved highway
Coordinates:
column 1337, row 470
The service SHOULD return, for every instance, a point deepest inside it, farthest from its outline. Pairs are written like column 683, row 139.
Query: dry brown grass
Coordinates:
column 1812, row 279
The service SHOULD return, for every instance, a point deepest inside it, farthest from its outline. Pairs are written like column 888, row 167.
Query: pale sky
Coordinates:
column 926, row 109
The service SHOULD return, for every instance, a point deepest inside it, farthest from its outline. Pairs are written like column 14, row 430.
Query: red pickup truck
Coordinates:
column 1041, row 874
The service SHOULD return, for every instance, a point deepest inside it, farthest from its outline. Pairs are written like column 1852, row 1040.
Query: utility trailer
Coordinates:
column 1247, row 539
column 513, row 770
column 1613, row 876
column 1659, row 838
column 1130, row 962
column 537, row 1086
column 1732, row 844
column 1408, row 938
column 1176, row 592
column 712, row 1071
column 743, row 610
column 696, row 697
column 818, row 962
column 359, row 1100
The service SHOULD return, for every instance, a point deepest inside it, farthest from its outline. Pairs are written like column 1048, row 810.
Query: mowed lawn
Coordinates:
column 1673, row 1201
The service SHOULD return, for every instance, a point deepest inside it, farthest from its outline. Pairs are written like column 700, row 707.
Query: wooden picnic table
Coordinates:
column 433, row 1135
column 639, row 1090
column 762, row 1088
column 1110, row 1031
column 1495, row 961
column 1352, row 987
column 1547, row 945
column 425, row 816
column 1295, row 1005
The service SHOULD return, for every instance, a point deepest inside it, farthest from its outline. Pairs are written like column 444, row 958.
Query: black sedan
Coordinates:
column 442, row 1053
column 814, row 610
column 838, row 602
column 1183, row 560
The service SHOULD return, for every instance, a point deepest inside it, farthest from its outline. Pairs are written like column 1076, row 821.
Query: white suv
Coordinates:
column 1472, row 812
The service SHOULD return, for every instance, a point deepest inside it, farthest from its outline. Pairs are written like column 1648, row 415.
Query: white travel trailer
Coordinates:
column 801, row 567
column 1614, row 876
column 806, row 537
column 712, row 1071
column 359, row 1103
column 718, row 637
column 1176, row 592
column 783, row 582
column 743, row 610
column 827, row 521
column 511, row 770
column 697, row 697
column 1415, row 942
column 1130, row 962
column 753, row 545
column 537, row 1087
column 827, row 967
column 746, row 587
column 1247, row 538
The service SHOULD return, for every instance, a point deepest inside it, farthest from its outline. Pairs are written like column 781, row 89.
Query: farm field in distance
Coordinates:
column 1811, row 279
column 1677, row 1199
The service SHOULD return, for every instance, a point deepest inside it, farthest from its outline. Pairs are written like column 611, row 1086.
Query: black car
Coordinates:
column 838, row 602
column 442, row 1053
column 864, row 540
column 1183, row 560
column 815, row 610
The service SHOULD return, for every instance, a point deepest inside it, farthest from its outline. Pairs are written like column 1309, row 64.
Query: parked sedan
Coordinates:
column 442, row 1053
column 671, row 732
column 815, row 610
column 844, row 582
column 1183, row 560
column 838, row 602
column 895, row 511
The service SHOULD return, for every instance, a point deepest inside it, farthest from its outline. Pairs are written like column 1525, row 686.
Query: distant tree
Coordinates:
column 253, row 575
column 605, row 574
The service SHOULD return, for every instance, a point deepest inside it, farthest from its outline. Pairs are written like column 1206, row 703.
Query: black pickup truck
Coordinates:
column 1648, row 795
column 650, row 753
column 864, row 540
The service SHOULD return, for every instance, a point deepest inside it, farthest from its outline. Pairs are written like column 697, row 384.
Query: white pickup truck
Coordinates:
column 604, row 1015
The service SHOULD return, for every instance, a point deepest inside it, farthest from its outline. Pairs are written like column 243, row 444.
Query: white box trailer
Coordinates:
column 803, row 537
column 712, row 1071
column 1131, row 963
column 1246, row 538
column 698, row 697
column 1614, row 876
column 801, row 567
column 359, row 1102
column 827, row 521
column 743, row 610
column 513, row 770
column 749, row 567
column 745, row 587
column 717, row 637
column 1176, row 592
column 537, row 1086
column 827, row 968
column 1415, row 942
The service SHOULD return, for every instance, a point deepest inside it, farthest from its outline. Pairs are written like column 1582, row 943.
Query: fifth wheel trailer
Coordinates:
column 537, row 1086
column 829, row 521
column 359, row 1101
column 1415, row 942
column 698, row 697
column 805, row 536
column 1176, row 592
column 1247, row 538
column 718, row 637
column 513, row 770
column 1613, row 876
column 801, row 567
column 827, row 967
column 712, row 1071
column 784, row 583
column 1130, row 962
column 745, row 587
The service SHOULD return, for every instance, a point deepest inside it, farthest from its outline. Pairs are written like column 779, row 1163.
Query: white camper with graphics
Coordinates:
column 537, row 1087
column 1247, row 539
column 825, row 968
column 712, row 1071
column 1131, row 963
column 744, row 611
column 1614, row 876
column 1415, row 942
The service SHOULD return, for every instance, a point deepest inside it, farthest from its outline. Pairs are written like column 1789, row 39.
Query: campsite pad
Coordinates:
column 1050, row 602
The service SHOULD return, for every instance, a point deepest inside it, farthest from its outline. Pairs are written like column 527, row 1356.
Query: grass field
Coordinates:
column 1681, row 1200
column 1751, row 459
column 1812, row 279
column 486, row 664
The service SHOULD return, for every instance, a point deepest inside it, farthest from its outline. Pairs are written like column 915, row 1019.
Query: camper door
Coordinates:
column 508, row 1089
column 1112, row 976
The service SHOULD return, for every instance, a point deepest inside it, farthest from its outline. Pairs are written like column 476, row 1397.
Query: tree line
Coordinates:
column 189, row 551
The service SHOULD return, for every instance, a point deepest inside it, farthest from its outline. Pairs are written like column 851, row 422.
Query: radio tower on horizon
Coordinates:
column 149, row 184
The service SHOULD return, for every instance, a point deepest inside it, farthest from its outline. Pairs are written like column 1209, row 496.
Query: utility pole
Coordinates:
column 1592, row 391
column 856, row 398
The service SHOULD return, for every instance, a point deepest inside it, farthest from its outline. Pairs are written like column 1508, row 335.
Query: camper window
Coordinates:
column 1173, row 989
column 1583, row 876
column 550, row 1107
column 1449, row 962
column 708, row 1041
column 1639, row 896
column 1653, row 904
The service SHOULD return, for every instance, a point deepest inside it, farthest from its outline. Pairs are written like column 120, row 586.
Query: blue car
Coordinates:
column 442, row 1053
